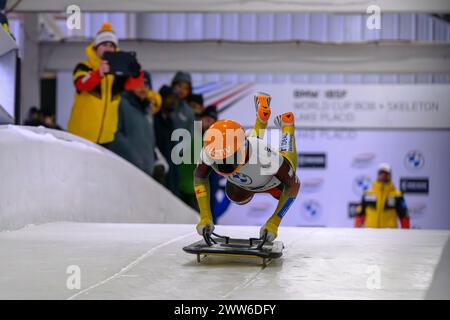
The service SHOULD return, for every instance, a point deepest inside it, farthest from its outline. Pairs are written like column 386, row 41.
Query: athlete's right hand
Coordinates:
column 205, row 226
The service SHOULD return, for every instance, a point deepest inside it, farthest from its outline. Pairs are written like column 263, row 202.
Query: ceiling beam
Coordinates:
column 342, row 6
column 281, row 57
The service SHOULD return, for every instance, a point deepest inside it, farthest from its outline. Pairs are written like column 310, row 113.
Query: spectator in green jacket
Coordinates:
column 164, row 126
column 135, row 137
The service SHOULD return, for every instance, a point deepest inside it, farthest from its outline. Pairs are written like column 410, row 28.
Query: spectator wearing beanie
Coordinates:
column 195, row 101
column 208, row 117
column 135, row 137
column 35, row 117
column 183, row 118
column 182, row 115
column 182, row 85
column 95, row 110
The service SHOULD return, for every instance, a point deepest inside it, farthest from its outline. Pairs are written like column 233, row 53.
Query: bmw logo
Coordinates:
column 361, row 184
column 311, row 210
column 414, row 160
column 241, row 179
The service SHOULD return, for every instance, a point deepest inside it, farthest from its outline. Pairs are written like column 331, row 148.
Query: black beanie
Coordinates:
column 197, row 98
column 210, row 111
column 165, row 91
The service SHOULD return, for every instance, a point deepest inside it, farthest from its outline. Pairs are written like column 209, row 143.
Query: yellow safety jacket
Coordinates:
column 382, row 206
column 95, row 113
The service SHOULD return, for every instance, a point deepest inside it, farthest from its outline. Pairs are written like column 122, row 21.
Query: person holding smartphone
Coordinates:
column 95, row 110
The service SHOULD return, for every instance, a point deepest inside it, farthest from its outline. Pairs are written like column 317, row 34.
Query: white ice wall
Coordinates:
column 48, row 175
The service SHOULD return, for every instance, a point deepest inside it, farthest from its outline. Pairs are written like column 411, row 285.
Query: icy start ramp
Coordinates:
column 145, row 261
column 49, row 175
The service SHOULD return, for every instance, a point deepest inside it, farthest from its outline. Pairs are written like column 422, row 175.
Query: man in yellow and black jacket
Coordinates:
column 97, row 97
column 382, row 206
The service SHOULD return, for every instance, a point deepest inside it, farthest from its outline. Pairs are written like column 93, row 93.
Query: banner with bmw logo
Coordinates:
column 330, row 193
column 343, row 133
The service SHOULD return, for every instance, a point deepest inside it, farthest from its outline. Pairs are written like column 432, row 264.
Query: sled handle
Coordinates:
column 264, row 240
column 207, row 238
column 227, row 239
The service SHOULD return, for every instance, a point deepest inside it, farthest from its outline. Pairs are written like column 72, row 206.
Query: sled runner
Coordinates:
column 245, row 248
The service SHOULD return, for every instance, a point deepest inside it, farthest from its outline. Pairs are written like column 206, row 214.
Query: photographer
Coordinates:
column 95, row 109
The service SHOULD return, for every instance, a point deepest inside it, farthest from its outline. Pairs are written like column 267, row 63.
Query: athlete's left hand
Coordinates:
column 271, row 229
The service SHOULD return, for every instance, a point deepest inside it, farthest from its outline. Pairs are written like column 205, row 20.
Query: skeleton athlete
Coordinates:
column 250, row 165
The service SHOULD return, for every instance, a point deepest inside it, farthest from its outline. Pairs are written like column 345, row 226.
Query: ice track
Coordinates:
column 146, row 261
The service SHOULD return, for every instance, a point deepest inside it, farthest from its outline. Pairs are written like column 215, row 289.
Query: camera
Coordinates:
column 123, row 63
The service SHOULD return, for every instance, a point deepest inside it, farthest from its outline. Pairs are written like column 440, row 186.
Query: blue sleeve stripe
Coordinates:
column 285, row 208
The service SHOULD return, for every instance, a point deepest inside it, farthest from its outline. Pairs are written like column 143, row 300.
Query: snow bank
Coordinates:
column 48, row 175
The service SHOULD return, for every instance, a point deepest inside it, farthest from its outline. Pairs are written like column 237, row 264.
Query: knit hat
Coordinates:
column 197, row 98
column 385, row 167
column 210, row 111
column 165, row 91
column 106, row 34
column 182, row 76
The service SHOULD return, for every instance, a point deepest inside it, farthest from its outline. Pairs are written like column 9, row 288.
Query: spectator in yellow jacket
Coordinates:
column 95, row 109
column 382, row 205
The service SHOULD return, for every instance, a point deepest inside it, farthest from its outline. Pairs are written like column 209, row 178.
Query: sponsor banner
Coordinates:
column 414, row 185
column 349, row 160
column 407, row 106
column 312, row 160
column 353, row 209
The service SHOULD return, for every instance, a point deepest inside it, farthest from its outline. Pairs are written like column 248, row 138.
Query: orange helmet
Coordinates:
column 224, row 148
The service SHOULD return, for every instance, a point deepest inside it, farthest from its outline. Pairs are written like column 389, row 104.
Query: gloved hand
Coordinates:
column 271, row 229
column 205, row 224
column 404, row 222
column 155, row 99
column 262, row 106
column 359, row 221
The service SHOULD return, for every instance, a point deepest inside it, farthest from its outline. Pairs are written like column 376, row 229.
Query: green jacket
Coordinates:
column 135, row 136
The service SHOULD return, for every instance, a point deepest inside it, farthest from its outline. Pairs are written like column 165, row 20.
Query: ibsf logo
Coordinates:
column 414, row 160
column 363, row 160
column 241, row 178
column 361, row 184
column 417, row 209
column 311, row 210
column 311, row 185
